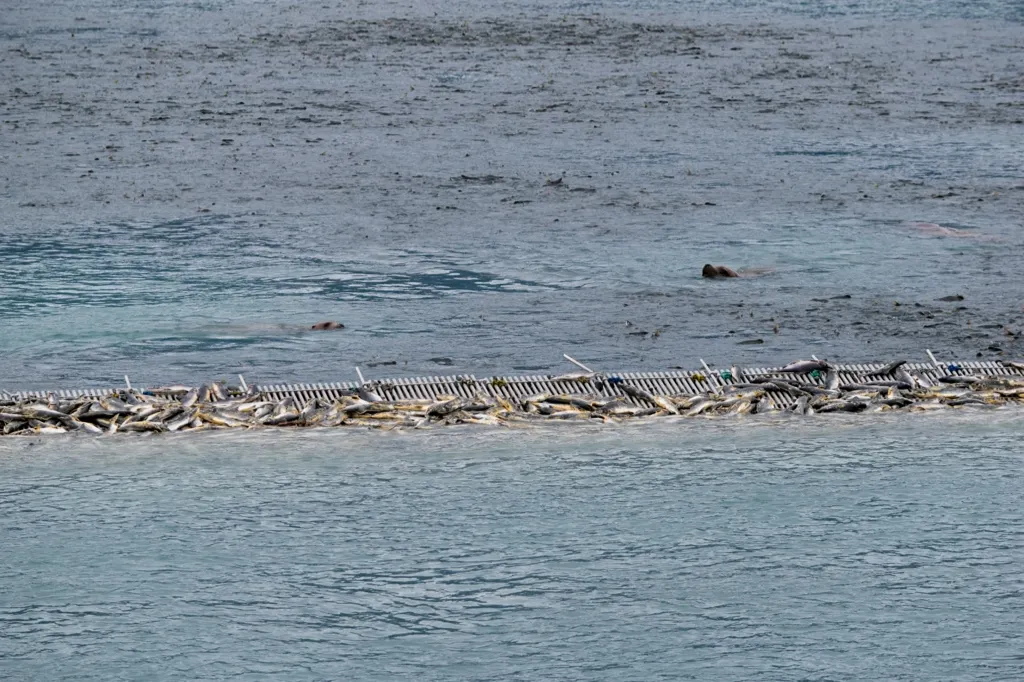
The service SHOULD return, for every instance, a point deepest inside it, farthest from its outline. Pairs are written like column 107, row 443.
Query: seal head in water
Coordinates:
column 330, row 324
column 714, row 271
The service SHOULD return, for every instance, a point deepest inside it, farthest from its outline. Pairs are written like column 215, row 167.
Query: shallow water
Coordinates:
column 857, row 549
column 189, row 186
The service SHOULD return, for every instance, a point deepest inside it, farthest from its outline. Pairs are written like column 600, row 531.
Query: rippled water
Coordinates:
column 186, row 187
column 863, row 549
column 189, row 186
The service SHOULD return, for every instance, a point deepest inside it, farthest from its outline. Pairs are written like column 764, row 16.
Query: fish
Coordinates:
column 308, row 410
column 701, row 406
column 182, row 420
column 641, row 394
column 906, row 377
column 87, row 426
column 142, row 426
column 46, row 428
column 281, row 417
column 175, row 391
column 617, row 407
column 366, row 392
column 888, row 369
column 217, row 392
column 800, row 406
column 581, row 377
column 743, row 406
column 442, row 408
column 805, row 366
column 832, row 379
column 43, row 412
column 764, row 405
column 191, row 398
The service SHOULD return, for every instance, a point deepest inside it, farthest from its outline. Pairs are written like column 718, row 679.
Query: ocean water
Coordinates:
column 478, row 189
column 839, row 549
column 187, row 187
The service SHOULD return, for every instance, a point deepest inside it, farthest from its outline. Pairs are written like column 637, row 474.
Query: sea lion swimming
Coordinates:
column 713, row 271
column 718, row 271
column 329, row 324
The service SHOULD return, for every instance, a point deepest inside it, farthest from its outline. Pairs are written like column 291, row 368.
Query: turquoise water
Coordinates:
column 853, row 549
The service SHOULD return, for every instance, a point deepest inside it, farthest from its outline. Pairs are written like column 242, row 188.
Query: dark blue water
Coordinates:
column 860, row 550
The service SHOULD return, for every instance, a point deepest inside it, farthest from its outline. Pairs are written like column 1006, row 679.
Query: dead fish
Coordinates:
column 262, row 411
column 141, row 427
column 46, row 428
column 281, row 417
column 805, row 366
column 357, row 407
column 143, row 413
column 443, row 408
column 832, row 379
column 888, row 369
column 743, row 406
column 217, row 392
column 367, row 393
column 580, row 377
column 308, row 410
column 906, row 377
column 765, row 405
column 569, row 414
column 701, row 406
column 191, row 398
column 43, row 412
column 785, row 387
column 801, row 406
column 254, row 406
column 87, row 426
column 182, row 420
column 174, row 391
column 617, row 407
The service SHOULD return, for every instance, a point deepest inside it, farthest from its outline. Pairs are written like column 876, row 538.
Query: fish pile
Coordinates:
column 805, row 388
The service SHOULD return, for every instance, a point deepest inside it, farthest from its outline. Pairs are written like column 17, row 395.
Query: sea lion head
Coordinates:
column 709, row 270
column 330, row 324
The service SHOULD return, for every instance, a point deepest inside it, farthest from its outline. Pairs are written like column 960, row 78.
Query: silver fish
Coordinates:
column 308, row 410
column 142, row 426
column 368, row 394
column 805, row 366
column 888, row 369
column 700, row 406
column 191, row 398
column 217, row 392
column 765, row 405
column 87, row 426
column 443, row 408
column 832, row 379
column 182, row 420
